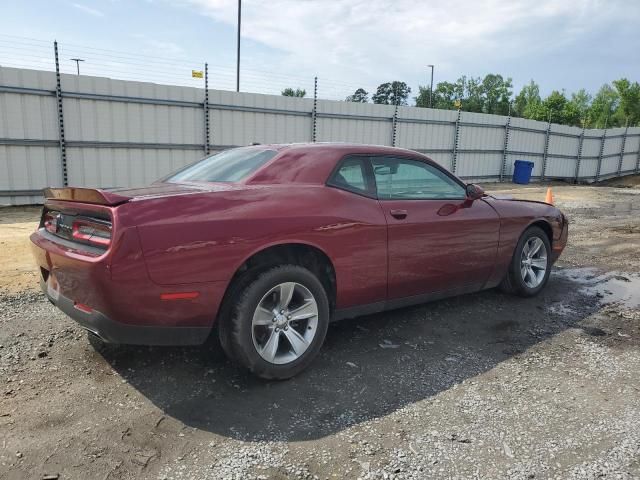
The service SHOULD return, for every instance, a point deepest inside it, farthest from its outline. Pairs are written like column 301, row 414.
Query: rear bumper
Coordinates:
column 113, row 297
column 111, row 331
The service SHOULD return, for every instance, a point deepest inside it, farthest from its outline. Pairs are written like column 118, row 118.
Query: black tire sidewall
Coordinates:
column 241, row 321
column 516, row 279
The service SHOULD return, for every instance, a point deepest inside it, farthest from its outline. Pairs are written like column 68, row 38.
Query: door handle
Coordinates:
column 399, row 214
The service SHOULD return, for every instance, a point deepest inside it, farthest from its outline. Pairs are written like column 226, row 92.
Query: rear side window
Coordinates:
column 406, row 179
column 351, row 175
column 231, row 165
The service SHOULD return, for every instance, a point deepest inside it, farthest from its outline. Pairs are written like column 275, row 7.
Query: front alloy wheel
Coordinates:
column 533, row 262
column 530, row 265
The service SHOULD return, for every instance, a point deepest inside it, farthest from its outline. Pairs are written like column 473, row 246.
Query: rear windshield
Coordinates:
column 231, row 165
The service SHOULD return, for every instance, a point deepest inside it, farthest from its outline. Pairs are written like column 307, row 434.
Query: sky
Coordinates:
column 561, row 44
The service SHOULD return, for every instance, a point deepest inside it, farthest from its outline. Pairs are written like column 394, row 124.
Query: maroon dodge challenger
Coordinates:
column 269, row 243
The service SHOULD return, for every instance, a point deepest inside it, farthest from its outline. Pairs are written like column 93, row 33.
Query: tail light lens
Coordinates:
column 91, row 232
column 50, row 222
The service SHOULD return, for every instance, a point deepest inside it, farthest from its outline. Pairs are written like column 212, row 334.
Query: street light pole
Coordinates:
column 238, row 52
column 77, row 60
column 431, row 88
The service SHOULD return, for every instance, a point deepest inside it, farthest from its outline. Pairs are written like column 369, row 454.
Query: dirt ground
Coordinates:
column 479, row 386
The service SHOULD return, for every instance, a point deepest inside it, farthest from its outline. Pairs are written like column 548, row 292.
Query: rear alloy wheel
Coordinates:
column 530, row 265
column 285, row 323
column 278, row 323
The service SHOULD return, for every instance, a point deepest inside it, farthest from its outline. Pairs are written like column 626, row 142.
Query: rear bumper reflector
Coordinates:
column 82, row 307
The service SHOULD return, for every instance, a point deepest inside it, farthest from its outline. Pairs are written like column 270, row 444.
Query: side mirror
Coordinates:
column 474, row 192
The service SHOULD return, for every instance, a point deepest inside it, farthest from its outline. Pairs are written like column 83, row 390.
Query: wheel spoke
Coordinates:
column 537, row 243
column 286, row 293
column 532, row 277
column 262, row 316
column 305, row 311
column 297, row 341
column 271, row 347
column 539, row 263
column 525, row 249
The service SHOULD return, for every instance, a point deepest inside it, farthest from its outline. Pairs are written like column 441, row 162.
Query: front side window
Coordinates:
column 402, row 178
column 231, row 165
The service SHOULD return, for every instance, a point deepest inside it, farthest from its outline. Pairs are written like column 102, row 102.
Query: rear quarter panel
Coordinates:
column 206, row 237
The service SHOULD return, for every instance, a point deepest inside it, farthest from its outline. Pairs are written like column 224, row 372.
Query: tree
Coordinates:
column 489, row 95
column 581, row 102
column 497, row 94
column 628, row 110
column 392, row 93
column 473, row 95
column 444, row 95
column 604, row 106
column 359, row 96
column 290, row 92
column 527, row 100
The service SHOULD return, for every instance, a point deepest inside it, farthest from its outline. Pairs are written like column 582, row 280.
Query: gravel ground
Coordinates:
column 479, row 386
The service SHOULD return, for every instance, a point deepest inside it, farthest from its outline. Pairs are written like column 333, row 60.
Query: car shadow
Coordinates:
column 368, row 367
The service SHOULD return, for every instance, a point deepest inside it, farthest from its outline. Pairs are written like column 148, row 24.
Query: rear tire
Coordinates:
column 276, row 323
column 530, row 265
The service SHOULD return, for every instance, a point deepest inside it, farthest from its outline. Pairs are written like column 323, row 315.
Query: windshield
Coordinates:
column 229, row 166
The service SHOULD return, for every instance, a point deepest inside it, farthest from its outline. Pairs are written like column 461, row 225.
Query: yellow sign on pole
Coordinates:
column 197, row 73
column 457, row 103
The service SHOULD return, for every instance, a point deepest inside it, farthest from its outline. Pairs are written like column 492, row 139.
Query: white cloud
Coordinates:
column 159, row 47
column 362, row 41
column 88, row 10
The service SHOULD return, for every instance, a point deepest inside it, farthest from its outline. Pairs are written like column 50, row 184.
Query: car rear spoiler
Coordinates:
column 85, row 195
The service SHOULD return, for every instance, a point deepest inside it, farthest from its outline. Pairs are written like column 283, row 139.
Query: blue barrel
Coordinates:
column 522, row 172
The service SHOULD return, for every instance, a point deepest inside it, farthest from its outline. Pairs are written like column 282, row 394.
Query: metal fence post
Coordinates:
column 576, row 176
column 622, row 147
column 395, row 126
column 206, row 109
column 456, row 139
column 314, row 113
column 505, row 149
column 638, row 160
column 63, row 146
column 545, row 157
column 602, row 142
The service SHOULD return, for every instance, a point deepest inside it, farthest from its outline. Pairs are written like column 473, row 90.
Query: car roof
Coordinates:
column 347, row 147
column 313, row 162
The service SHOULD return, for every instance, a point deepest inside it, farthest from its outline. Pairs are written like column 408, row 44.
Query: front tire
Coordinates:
column 277, row 323
column 531, row 264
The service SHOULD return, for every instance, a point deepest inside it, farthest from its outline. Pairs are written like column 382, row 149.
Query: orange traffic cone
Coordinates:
column 549, row 198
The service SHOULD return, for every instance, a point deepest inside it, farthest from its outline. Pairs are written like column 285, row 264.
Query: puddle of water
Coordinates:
column 610, row 287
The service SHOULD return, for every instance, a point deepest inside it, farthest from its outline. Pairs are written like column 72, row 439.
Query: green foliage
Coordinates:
column 392, row 93
column 359, row 96
column 488, row 95
column 628, row 111
column 603, row 107
column 527, row 100
column 290, row 92
column 615, row 105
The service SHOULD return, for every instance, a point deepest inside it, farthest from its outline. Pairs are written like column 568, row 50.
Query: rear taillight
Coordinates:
column 50, row 222
column 91, row 232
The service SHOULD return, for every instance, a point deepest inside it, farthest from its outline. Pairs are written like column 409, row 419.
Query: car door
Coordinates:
column 438, row 239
